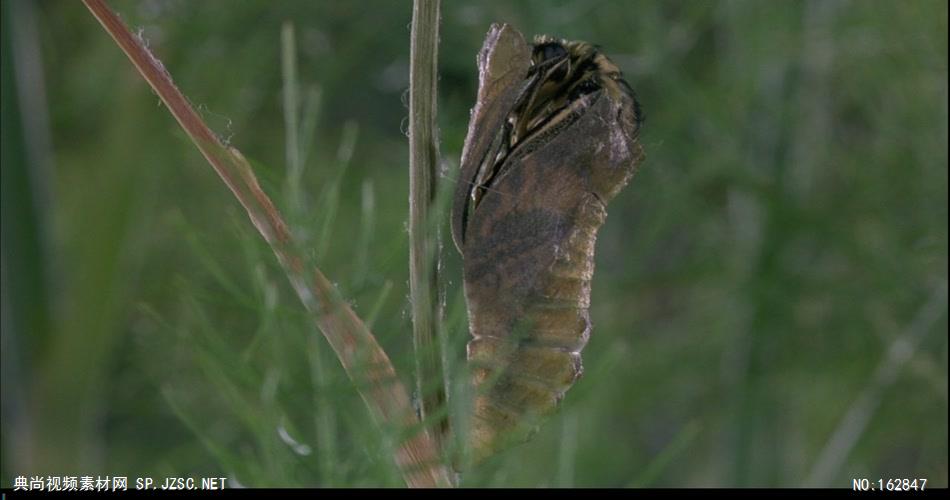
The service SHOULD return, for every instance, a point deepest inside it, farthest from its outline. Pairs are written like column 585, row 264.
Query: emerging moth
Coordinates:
column 552, row 138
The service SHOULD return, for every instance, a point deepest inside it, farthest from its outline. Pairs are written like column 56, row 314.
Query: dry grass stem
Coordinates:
column 423, row 233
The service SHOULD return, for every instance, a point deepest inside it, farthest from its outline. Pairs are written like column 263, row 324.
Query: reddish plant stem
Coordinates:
column 357, row 349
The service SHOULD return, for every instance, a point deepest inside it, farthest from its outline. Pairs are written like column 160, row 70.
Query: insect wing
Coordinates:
column 503, row 64
column 528, row 265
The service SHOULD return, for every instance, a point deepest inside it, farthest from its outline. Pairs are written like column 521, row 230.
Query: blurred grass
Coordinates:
column 787, row 227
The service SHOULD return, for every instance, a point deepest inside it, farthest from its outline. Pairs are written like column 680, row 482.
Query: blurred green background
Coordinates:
column 771, row 289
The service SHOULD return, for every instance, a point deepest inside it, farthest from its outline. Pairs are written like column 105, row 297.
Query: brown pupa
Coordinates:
column 553, row 137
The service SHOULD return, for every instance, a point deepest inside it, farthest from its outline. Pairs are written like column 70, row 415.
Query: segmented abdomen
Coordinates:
column 529, row 300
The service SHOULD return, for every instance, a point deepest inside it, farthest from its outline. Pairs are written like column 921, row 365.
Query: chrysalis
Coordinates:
column 552, row 138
